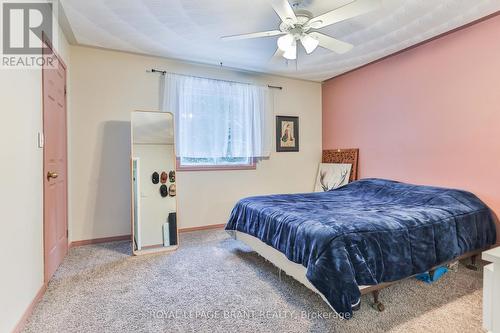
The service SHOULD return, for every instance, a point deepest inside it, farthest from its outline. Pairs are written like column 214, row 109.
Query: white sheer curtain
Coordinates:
column 218, row 119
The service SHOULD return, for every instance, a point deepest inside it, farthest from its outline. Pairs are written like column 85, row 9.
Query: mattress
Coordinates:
column 367, row 232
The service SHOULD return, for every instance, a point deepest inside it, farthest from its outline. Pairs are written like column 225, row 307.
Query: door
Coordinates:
column 54, row 165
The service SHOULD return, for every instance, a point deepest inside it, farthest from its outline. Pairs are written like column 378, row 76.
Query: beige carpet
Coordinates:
column 215, row 284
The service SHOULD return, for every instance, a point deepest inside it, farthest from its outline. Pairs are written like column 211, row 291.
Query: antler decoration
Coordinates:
column 343, row 174
column 322, row 175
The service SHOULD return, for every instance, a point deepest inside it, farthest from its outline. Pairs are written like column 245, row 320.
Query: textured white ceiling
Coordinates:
column 191, row 30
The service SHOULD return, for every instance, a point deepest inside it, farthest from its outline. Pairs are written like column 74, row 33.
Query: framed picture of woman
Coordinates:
column 287, row 133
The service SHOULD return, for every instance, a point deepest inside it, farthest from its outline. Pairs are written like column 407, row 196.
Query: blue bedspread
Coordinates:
column 367, row 232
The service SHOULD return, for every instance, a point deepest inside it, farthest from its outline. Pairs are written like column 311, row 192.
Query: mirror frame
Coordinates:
column 153, row 249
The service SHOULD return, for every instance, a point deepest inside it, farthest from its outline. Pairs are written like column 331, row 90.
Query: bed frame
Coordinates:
column 298, row 272
column 375, row 290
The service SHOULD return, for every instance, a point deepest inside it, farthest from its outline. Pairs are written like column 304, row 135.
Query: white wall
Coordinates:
column 21, row 199
column 154, row 208
column 108, row 85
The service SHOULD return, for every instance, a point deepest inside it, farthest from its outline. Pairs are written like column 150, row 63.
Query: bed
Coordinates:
column 364, row 235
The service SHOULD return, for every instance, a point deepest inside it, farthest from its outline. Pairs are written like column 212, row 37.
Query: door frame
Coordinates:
column 48, row 43
column 136, row 207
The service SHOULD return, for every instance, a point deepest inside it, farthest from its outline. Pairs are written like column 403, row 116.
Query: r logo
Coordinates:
column 23, row 26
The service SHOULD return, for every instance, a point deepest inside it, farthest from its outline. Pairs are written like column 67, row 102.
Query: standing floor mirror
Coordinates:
column 154, row 193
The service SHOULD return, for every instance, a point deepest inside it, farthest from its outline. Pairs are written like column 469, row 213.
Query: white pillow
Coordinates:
column 331, row 176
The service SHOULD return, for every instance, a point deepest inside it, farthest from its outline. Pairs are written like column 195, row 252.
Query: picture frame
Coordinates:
column 287, row 134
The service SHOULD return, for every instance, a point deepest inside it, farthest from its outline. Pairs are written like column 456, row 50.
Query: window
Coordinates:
column 219, row 124
column 222, row 163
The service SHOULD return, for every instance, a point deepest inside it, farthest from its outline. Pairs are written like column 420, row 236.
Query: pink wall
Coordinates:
column 430, row 115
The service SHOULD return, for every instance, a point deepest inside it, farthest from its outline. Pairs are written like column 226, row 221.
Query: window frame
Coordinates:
column 216, row 167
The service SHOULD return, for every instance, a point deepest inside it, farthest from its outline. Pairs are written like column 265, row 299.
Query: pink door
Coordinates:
column 55, row 173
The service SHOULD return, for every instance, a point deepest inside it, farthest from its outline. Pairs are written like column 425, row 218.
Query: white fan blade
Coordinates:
column 353, row 9
column 254, row 35
column 331, row 43
column 278, row 55
column 284, row 10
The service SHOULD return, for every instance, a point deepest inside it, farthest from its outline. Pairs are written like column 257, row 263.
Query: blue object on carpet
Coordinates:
column 426, row 277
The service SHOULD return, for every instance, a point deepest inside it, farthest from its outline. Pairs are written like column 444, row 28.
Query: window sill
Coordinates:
column 182, row 168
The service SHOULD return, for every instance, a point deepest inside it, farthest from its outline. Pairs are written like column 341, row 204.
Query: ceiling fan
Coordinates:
column 300, row 25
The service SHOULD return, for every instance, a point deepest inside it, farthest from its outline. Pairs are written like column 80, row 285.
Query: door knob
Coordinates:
column 52, row 175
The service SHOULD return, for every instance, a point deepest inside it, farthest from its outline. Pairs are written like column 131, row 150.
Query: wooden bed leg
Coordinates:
column 472, row 265
column 377, row 305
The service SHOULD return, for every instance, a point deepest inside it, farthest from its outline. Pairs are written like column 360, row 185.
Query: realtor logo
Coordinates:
column 25, row 26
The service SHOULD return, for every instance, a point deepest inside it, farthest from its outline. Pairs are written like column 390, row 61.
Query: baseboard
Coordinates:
column 27, row 314
column 203, row 227
column 99, row 240
column 128, row 237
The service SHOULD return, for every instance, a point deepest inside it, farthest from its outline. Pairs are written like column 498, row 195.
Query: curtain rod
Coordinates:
column 165, row 72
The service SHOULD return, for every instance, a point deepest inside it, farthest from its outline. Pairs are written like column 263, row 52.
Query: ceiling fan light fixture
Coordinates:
column 286, row 42
column 298, row 24
column 316, row 24
column 310, row 44
column 291, row 53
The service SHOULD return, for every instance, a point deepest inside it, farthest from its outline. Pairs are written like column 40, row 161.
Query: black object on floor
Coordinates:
column 172, row 228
